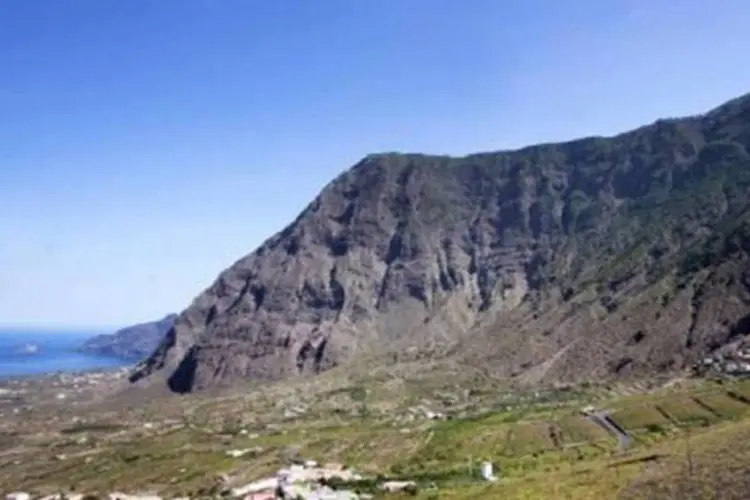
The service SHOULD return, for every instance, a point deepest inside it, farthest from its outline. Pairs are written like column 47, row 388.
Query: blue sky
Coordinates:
column 146, row 145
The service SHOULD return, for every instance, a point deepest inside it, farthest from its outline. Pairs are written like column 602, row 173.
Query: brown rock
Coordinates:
column 553, row 262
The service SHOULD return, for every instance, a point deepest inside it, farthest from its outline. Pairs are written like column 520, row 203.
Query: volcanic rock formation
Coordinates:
column 589, row 258
column 134, row 342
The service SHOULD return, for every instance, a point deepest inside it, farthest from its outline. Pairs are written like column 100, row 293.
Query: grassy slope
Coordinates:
column 541, row 448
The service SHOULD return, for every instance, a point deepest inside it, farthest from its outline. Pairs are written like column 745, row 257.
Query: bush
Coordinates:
column 411, row 490
column 655, row 428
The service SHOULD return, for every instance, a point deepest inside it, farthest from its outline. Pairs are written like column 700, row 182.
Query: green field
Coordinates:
column 539, row 450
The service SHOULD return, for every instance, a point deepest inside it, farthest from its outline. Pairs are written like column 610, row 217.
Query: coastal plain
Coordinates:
column 80, row 435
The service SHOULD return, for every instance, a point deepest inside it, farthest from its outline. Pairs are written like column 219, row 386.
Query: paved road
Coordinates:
column 602, row 419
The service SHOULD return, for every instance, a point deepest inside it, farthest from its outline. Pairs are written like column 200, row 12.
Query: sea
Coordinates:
column 24, row 353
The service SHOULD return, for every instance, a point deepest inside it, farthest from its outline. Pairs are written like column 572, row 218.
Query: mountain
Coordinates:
column 586, row 259
column 134, row 342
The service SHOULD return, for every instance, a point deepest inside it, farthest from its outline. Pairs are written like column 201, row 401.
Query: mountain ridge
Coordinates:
column 133, row 342
column 413, row 253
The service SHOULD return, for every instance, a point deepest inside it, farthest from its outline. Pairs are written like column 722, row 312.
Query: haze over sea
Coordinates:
column 46, row 351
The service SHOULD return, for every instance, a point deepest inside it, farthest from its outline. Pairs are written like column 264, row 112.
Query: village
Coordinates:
column 734, row 362
column 300, row 481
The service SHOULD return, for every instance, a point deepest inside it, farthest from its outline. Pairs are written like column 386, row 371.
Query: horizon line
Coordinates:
column 23, row 327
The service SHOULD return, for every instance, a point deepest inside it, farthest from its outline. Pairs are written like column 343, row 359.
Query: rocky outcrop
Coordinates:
column 133, row 343
column 408, row 253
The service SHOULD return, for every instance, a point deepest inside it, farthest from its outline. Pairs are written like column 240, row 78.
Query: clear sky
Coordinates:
column 145, row 145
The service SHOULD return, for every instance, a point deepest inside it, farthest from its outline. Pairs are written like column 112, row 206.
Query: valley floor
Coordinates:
column 685, row 440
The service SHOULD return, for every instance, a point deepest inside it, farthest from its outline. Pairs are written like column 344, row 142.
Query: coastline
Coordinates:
column 45, row 355
column 60, row 375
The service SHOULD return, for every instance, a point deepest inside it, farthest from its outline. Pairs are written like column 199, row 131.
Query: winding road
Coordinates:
column 602, row 419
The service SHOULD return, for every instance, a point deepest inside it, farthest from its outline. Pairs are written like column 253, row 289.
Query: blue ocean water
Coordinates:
column 39, row 352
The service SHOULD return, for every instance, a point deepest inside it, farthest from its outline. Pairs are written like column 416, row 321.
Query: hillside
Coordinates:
column 591, row 258
column 134, row 342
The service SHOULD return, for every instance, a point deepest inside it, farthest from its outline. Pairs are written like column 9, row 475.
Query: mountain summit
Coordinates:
column 567, row 261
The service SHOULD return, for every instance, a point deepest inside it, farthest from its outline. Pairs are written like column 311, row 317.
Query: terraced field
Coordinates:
column 540, row 450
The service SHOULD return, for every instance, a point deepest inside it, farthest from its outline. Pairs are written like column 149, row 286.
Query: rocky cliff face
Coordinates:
column 500, row 256
column 134, row 342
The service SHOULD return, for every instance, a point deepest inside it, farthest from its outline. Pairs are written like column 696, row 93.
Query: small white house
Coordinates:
column 488, row 472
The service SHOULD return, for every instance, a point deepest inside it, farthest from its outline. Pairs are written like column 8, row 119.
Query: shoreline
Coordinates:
column 58, row 375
